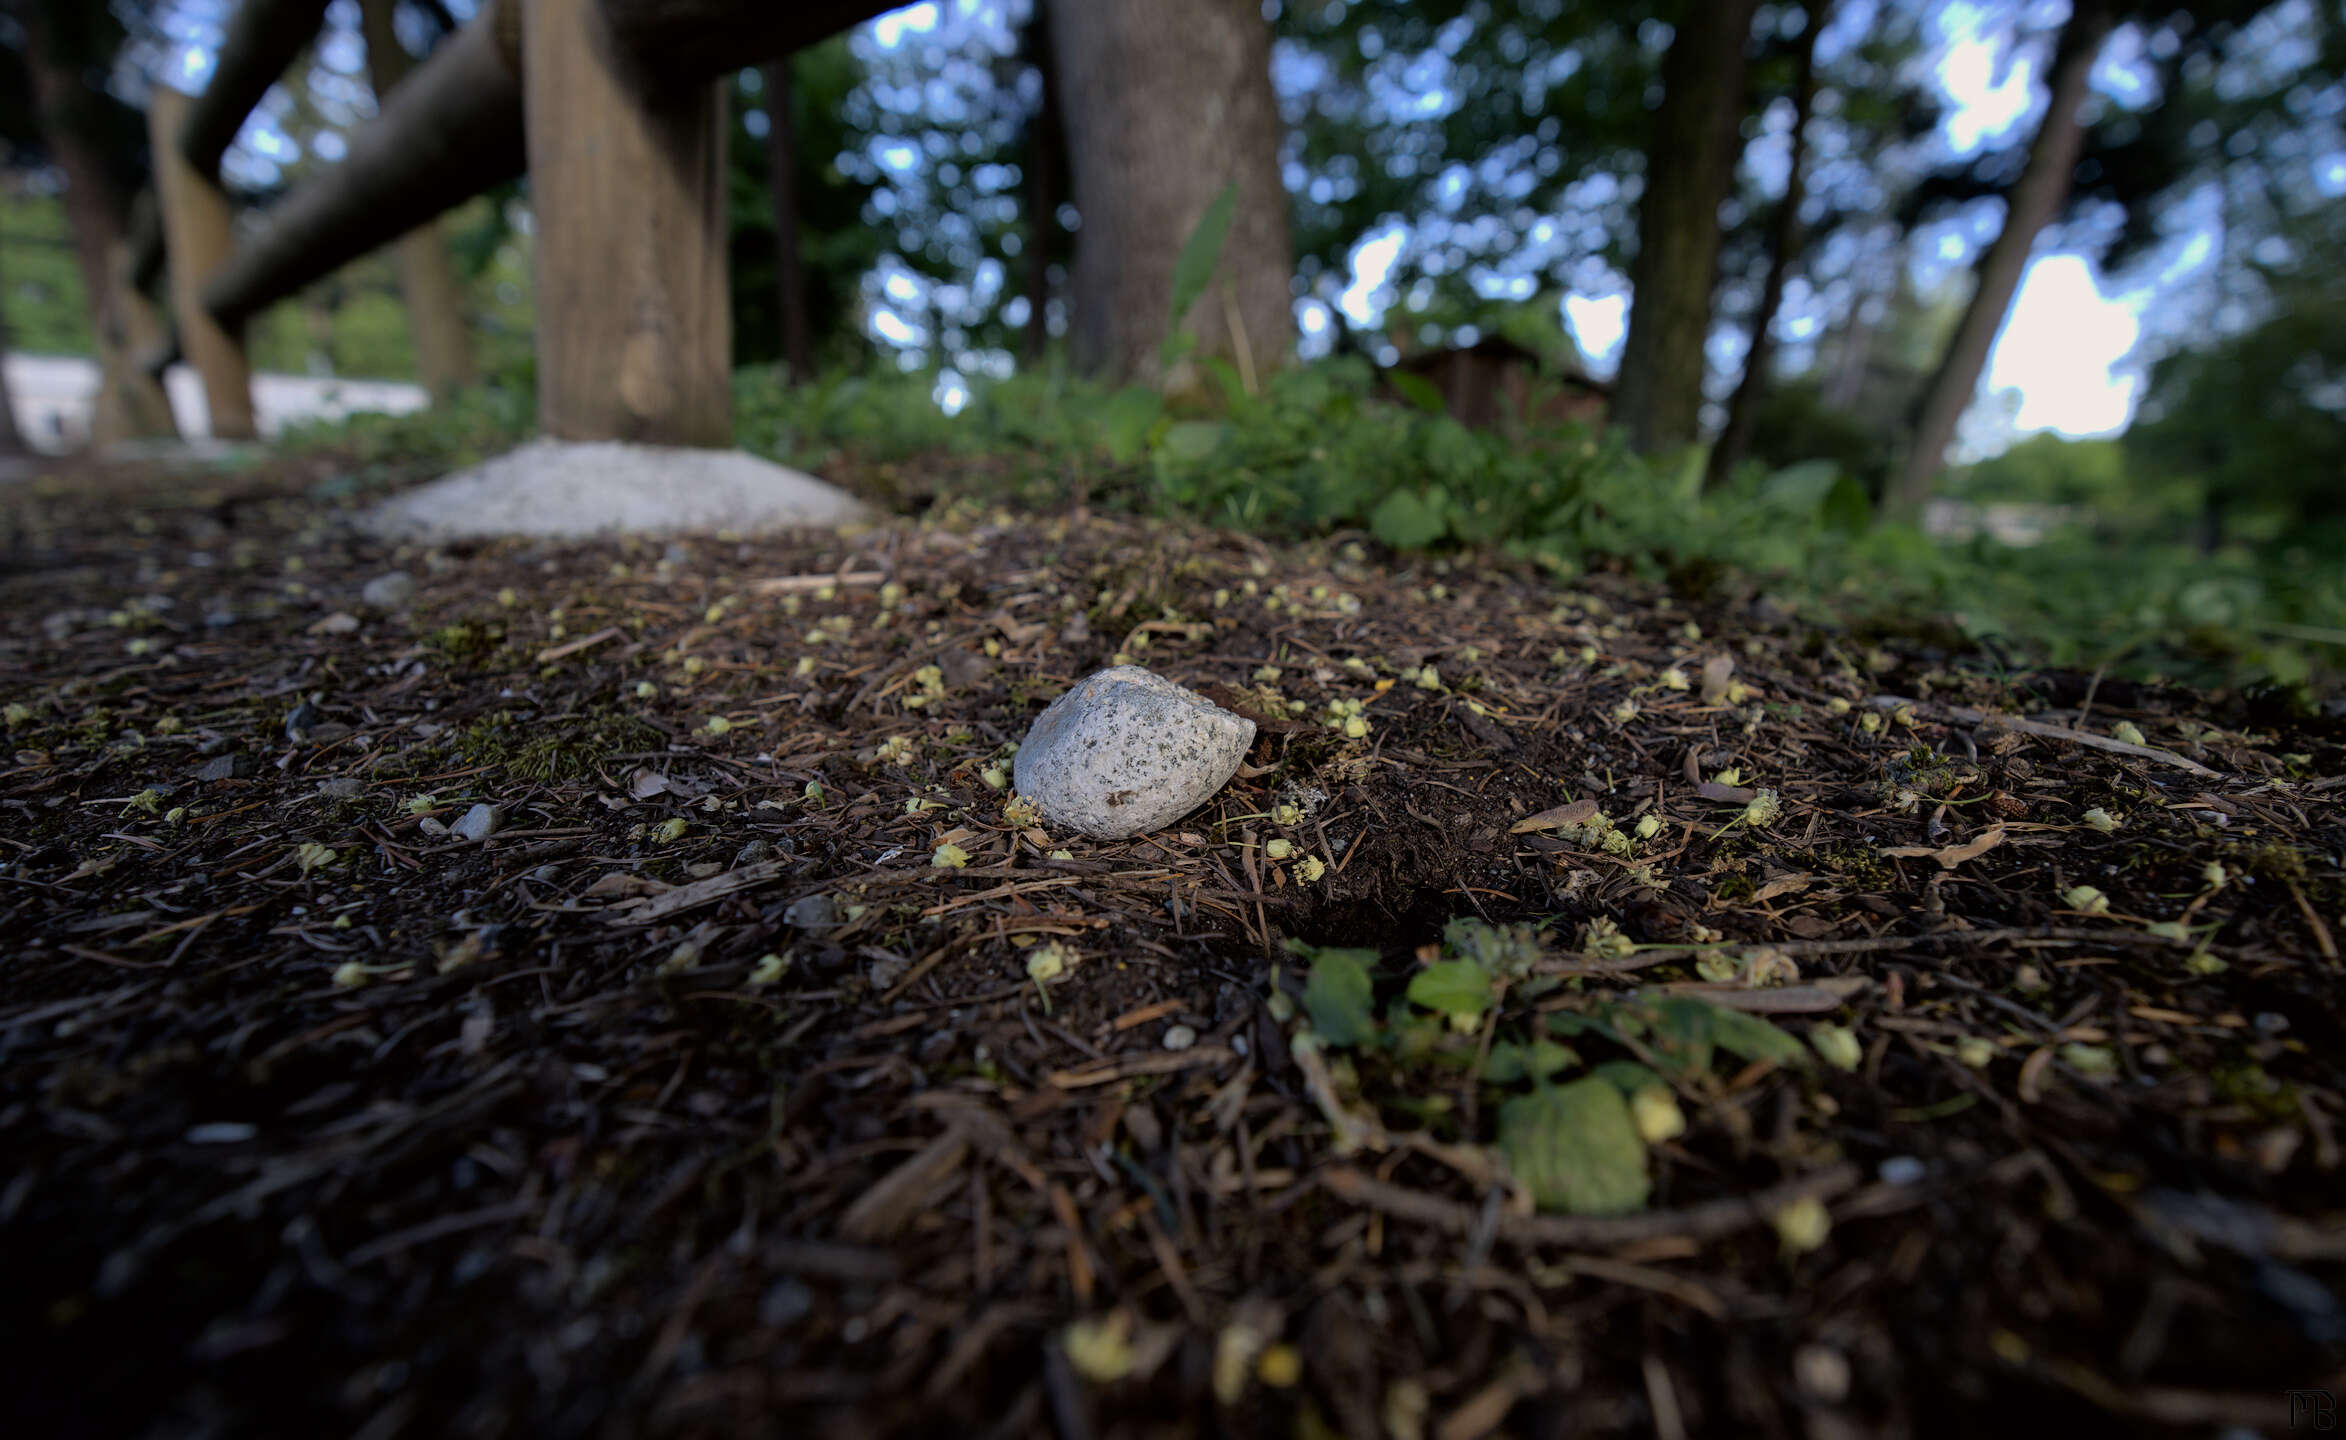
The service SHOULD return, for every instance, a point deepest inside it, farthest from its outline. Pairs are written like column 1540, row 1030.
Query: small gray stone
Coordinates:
column 812, row 912
column 479, row 823
column 1127, row 750
column 388, row 591
column 233, row 766
column 1180, row 1037
column 342, row 787
column 786, row 1302
column 303, row 718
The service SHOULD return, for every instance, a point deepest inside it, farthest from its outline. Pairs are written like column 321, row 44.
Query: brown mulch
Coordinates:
column 697, row 1099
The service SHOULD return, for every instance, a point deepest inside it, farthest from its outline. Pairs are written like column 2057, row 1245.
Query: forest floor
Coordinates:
column 697, row 1098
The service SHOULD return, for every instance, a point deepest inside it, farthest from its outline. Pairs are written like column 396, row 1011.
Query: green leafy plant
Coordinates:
column 1579, row 1145
column 1338, row 995
column 1576, row 1148
column 1193, row 268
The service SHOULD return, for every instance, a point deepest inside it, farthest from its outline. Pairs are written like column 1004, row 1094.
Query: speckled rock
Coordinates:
column 388, row 591
column 479, row 823
column 1127, row 750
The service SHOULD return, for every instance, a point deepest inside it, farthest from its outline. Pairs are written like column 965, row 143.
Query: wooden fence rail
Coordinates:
column 609, row 105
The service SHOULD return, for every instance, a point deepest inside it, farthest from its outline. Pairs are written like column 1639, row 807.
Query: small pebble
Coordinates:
column 388, row 591
column 479, row 823
column 1823, row 1373
column 1902, row 1170
column 221, row 1132
column 1180, row 1037
column 812, row 912
column 786, row 1303
column 342, row 787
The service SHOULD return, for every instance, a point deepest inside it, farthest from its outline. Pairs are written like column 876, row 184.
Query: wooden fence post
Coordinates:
column 627, row 179
column 146, row 406
column 196, row 237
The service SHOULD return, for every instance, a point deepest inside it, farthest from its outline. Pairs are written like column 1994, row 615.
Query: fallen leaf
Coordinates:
column 1576, row 813
column 1972, row 849
column 1782, row 885
column 1950, row 856
column 619, row 885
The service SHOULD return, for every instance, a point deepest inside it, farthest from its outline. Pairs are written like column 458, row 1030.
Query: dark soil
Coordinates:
column 697, row 1099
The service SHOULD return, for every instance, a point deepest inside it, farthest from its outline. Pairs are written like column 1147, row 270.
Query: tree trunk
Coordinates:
column 798, row 341
column 1784, row 238
column 2037, row 196
column 1167, row 103
column 1046, row 161
column 634, row 338
column 145, row 402
column 427, row 281
column 128, row 403
column 1690, row 165
column 196, row 233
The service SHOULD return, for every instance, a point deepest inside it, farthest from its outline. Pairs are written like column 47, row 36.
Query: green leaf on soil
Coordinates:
column 1749, row 1037
column 1627, row 1076
column 1539, row 1060
column 1576, row 1147
column 1459, row 989
column 1337, row 995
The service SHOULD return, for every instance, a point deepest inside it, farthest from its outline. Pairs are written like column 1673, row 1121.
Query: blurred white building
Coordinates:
column 52, row 396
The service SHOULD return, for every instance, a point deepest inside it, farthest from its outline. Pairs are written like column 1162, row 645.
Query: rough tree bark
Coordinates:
column 798, row 341
column 427, row 281
column 129, row 403
column 1690, row 165
column 1784, row 237
column 1167, row 102
column 635, row 341
column 2036, row 197
column 196, row 230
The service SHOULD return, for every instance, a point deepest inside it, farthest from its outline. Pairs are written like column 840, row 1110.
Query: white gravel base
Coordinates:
column 573, row 491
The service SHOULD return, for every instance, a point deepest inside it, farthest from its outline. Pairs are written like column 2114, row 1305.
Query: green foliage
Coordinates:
column 1193, row 267
column 470, row 427
column 1319, row 451
column 1458, row 989
column 1684, row 1034
column 1507, row 951
column 2258, row 420
column 836, row 247
column 46, row 311
column 1576, row 1148
column 1338, row 995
